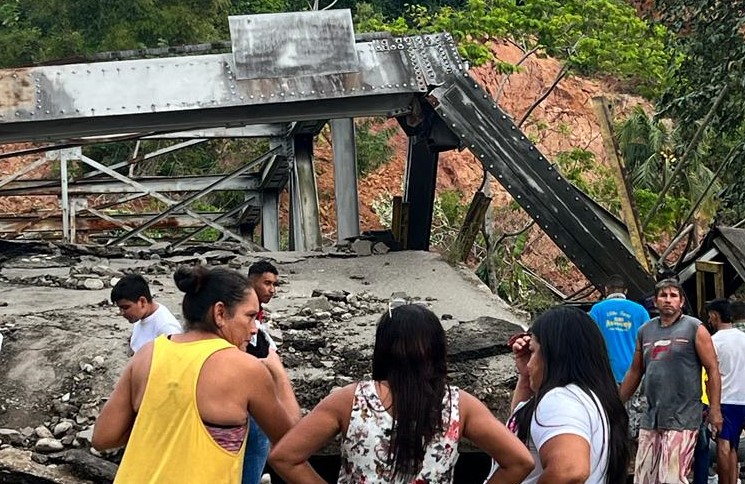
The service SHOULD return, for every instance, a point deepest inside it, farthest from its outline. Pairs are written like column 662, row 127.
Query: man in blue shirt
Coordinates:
column 619, row 320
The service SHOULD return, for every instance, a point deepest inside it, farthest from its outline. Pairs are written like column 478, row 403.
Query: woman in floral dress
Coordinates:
column 403, row 425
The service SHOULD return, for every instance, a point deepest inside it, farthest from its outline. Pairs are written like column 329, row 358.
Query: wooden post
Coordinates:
column 400, row 222
column 405, row 209
column 396, row 213
column 471, row 225
column 703, row 268
column 625, row 193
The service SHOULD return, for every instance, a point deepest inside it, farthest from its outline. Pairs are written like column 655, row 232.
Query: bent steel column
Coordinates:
column 345, row 179
column 419, row 191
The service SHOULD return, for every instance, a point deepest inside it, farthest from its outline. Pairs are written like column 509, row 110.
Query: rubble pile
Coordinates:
column 65, row 345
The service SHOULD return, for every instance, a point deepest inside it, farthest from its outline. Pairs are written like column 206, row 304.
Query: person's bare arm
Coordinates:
column 264, row 404
column 708, row 357
column 521, row 351
column 633, row 375
column 565, row 460
column 283, row 385
column 491, row 436
column 522, row 391
column 290, row 456
column 117, row 417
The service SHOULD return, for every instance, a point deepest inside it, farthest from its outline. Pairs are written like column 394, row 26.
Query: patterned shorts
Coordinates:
column 664, row 456
column 636, row 407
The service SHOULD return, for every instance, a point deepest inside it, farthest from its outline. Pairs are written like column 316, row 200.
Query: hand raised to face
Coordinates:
column 520, row 345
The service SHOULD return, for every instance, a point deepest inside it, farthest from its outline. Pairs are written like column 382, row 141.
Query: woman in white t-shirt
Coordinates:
column 566, row 407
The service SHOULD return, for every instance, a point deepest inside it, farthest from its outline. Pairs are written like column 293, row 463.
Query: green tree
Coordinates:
column 40, row 30
column 591, row 36
column 373, row 150
column 710, row 62
column 650, row 149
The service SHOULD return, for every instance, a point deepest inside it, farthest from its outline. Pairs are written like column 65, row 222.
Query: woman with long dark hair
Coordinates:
column 566, row 406
column 183, row 401
column 404, row 425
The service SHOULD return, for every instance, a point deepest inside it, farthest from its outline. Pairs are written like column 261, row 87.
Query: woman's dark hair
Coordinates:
column 410, row 354
column 573, row 351
column 206, row 287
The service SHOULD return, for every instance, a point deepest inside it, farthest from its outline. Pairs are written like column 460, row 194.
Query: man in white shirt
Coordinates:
column 730, row 345
column 150, row 319
column 263, row 277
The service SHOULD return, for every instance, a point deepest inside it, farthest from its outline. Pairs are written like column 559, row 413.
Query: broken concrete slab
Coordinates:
column 481, row 338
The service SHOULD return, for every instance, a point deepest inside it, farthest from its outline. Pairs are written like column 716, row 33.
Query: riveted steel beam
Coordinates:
column 595, row 240
column 155, row 183
column 198, row 92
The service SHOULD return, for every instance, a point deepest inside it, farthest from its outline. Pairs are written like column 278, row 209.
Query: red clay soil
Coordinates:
column 8, row 166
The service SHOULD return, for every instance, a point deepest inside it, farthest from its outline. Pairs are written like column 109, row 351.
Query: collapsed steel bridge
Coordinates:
column 288, row 75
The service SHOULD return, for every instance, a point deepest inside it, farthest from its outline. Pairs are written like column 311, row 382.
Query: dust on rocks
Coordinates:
column 65, row 345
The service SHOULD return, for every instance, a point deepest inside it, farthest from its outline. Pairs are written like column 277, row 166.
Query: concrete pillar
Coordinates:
column 305, row 215
column 270, row 219
column 345, row 179
column 419, row 191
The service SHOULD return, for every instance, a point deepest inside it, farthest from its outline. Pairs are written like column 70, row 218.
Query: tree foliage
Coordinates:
column 39, row 30
column 711, row 56
column 650, row 148
column 591, row 36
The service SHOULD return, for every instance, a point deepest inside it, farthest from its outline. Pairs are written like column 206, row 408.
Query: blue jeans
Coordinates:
column 701, row 453
column 257, row 451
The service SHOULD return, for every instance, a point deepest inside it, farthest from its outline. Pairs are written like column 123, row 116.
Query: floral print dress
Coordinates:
column 364, row 448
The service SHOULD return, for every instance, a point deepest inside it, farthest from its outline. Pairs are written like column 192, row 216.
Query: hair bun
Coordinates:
column 190, row 279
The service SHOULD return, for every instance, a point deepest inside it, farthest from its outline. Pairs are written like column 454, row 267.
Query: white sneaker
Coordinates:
column 266, row 479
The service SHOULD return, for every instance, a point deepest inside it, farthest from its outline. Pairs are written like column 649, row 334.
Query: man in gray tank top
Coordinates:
column 670, row 350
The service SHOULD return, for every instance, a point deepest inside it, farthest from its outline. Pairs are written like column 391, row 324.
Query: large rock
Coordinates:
column 86, row 465
column 362, row 247
column 48, row 445
column 16, row 466
column 62, row 428
column 480, row 338
column 318, row 304
column 93, row 284
column 11, row 436
column 43, row 433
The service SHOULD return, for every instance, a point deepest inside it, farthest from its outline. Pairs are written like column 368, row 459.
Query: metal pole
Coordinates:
column 308, row 196
column 270, row 219
column 345, row 179
column 64, row 199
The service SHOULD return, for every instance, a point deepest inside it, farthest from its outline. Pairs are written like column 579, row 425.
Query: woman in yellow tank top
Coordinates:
column 182, row 403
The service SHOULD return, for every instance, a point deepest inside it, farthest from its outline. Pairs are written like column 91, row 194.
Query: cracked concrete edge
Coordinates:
column 469, row 276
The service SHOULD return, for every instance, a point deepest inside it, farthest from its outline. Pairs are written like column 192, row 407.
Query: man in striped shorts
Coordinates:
column 670, row 350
